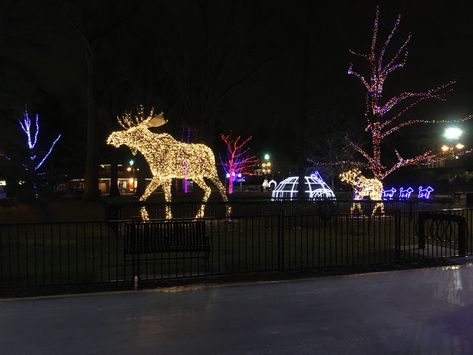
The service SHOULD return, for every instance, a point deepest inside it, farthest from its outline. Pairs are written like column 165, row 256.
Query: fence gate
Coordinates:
column 441, row 234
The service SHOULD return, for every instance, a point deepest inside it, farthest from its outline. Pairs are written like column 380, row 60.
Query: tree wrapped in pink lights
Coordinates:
column 385, row 116
column 238, row 159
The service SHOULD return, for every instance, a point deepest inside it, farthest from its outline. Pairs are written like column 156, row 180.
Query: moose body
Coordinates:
column 169, row 159
column 363, row 187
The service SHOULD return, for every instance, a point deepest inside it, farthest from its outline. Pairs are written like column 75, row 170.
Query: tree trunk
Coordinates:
column 301, row 160
column 114, row 191
column 140, row 175
column 91, row 191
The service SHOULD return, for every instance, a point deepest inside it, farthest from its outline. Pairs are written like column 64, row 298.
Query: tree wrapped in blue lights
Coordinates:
column 36, row 157
column 238, row 160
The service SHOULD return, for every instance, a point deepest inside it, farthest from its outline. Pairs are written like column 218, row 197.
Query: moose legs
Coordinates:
column 380, row 206
column 153, row 185
column 207, row 190
column 215, row 180
column 167, row 197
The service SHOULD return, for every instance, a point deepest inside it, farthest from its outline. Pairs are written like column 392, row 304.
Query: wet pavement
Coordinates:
column 423, row 311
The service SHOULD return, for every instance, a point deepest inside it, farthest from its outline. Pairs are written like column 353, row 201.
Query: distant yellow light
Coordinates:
column 128, row 169
column 460, row 146
column 130, row 181
column 445, row 148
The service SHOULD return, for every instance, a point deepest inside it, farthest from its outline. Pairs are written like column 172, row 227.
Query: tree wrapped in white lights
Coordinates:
column 386, row 116
column 165, row 157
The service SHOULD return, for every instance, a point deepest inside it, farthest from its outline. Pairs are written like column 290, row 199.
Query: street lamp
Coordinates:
column 454, row 147
column 266, row 165
column 452, row 133
column 132, row 179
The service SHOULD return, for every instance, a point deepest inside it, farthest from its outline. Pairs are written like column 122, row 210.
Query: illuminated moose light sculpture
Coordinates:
column 165, row 156
column 363, row 187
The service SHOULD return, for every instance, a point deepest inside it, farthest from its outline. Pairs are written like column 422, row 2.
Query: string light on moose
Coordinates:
column 363, row 187
column 165, row 157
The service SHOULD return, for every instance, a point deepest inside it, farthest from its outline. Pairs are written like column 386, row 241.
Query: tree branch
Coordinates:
column 359, row 150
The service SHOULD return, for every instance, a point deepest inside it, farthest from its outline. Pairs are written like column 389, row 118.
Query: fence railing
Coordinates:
column 51, row 254
column 216, row 209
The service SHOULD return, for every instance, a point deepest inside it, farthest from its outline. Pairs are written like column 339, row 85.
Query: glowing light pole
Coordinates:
column 132, row 180
column 266, row 165
column 266, row 169
column 453, row 147
column 452, row 134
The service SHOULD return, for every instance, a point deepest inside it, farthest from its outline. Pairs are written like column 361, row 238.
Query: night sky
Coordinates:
column 245, row 56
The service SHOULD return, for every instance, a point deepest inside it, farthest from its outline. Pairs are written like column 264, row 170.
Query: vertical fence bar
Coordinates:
column 397, row 236
column 281, row 240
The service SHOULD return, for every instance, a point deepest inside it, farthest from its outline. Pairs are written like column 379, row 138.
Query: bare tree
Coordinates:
column 93, row 21
column 204, row 67
column 385, row 117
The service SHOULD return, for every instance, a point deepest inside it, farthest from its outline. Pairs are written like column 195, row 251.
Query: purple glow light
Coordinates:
column 31, row 142
column 405, row 194
column 388, row 194
column 425, row 193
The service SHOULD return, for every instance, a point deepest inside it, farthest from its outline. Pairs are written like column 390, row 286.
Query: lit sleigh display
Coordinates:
column 165, row 157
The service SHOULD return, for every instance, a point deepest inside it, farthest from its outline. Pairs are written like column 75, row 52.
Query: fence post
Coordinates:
column 397, row 237
column 281, row 240
column 461, row 236
column 135, row 255
column 421, row 230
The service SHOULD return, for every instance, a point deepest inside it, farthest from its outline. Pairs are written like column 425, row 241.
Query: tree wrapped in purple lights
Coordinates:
column 238, row 160
column 385, row 117
column 35, row 156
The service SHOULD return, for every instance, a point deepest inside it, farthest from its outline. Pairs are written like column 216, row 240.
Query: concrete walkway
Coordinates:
column 424, row 311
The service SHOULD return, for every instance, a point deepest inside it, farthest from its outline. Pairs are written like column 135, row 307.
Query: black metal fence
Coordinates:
column 217, row 209
column 86, row 253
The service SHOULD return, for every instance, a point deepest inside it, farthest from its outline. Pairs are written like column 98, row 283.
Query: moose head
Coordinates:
column 135, row 127
column 350, row 177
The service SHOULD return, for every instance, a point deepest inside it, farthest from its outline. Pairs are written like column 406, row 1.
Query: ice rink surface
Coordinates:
column 421, row 311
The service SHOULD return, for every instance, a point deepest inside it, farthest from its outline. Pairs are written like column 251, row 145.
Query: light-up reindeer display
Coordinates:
column 165, row 157
column 363, row 187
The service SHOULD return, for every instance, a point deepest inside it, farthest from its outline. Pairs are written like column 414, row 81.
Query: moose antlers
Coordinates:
column 129, row 120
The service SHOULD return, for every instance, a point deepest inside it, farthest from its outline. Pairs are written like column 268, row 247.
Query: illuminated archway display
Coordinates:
column 165, row 157
column 362, row 188
column 315, row 188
